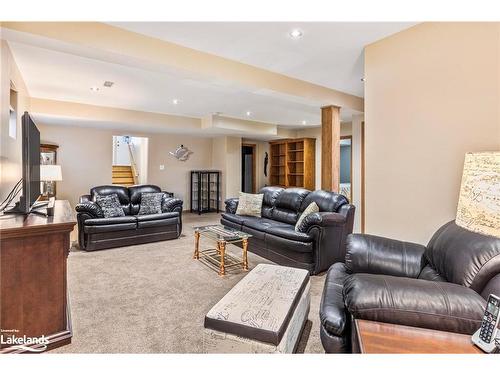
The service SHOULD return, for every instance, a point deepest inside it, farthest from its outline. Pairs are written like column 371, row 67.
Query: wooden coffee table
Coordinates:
column 385, row 338
column 218, row 258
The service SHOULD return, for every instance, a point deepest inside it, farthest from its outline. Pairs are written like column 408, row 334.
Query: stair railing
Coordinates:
column 133, row 164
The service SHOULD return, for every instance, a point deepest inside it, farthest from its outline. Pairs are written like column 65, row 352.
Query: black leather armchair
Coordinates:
column 96, row 232
column 442, row 286
column 320, row 239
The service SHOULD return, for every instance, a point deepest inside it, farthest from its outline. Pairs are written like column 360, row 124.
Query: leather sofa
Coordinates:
column 321, row 239
column 95, row 232
column 441, row 286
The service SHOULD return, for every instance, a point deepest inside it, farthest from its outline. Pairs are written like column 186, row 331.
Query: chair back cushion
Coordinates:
column 327, row 201
column 120, row 191
column 464, row 257
column 135, row 196
column 287, row 205
column 270, row 195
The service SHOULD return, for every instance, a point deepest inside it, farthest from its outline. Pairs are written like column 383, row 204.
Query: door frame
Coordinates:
column 254, row 166
column 350, row 172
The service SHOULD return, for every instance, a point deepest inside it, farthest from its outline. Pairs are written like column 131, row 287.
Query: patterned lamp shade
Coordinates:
column 479, row 201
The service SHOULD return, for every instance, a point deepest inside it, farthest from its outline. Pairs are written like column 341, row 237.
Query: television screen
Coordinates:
column 31, row 164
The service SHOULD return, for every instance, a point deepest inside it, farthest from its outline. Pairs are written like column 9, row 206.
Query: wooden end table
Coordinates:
column 386, row 338
column 218, row 258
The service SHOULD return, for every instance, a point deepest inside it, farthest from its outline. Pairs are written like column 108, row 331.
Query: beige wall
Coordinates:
column 85, row 155
column 432, row 94
column 226, row 157
column 10, row 149
column 346, row 128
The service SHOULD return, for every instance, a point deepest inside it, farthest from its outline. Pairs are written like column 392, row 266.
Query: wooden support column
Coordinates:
column 330, row 148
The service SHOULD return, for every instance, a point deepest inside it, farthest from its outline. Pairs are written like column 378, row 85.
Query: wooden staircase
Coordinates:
column 123, row 175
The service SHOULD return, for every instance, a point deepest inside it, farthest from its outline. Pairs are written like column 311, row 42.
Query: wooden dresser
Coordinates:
column 33, row 288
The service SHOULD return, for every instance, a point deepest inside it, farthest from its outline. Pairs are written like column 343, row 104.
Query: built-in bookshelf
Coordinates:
column 293, row 163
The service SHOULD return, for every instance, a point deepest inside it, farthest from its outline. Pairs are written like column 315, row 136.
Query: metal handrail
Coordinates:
column 133, row 164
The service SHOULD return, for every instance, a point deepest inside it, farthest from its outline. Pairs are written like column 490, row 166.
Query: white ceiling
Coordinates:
column 329, row 53
column 61, row 76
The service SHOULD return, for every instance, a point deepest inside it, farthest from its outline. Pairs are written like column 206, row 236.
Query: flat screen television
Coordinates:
column 31, row 166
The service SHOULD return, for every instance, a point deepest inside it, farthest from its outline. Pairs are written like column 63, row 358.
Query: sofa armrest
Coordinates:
column 231, row 205
column 322, row 219
column 435, row 305
column 379, row 255
column 329, row 230
column 168, row 194
column 171, row 205
column 89, row 208
column 85, row 198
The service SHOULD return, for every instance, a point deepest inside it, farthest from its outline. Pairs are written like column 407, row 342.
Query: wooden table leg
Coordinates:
column 196, row 245
column 245, row 254
column 222, row 249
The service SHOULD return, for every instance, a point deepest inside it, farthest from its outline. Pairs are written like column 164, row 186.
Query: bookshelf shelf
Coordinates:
column 293, row 163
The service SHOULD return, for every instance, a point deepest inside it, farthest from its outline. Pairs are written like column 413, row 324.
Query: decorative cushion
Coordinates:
column 250, row 204
column 312, row 208
column 150, row 203
column 110, row 205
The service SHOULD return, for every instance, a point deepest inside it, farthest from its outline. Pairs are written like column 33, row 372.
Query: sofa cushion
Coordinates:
column 170, row 221
column 259, row 223
column 327, row 201
column 237, row 219
column 135, row 196
column 256, row 233
column 288, row 247
column 464, row 257
column 121, row 191
column 162, row 216
column 150, row 203
column 112, row 224
column 400, row 300
column 288, row 231
column 110, row 205
column 111, row 220
column 270, row 193
column 287, row 205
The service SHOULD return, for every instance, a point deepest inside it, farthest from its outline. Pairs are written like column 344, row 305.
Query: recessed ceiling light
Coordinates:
column 94, row 88
column 304, row 122
column 296, row 34
column 108, row 83
column 249, row 113
column 175, row 101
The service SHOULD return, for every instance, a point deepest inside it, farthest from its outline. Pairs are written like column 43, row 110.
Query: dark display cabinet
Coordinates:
column 205, row 191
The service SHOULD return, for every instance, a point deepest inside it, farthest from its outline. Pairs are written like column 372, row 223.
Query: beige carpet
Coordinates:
column 152, row 298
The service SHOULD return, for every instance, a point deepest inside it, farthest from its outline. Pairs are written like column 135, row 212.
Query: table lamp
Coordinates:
column 479, row 201
column 50, row 173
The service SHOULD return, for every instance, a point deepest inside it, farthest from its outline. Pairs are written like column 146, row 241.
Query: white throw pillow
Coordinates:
column 312, row 208
column 250, row 204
